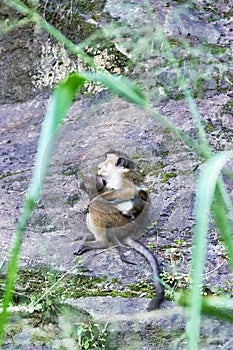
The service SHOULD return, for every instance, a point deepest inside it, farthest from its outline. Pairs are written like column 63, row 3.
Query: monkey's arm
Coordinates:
column 113, row 199
column 118, row 196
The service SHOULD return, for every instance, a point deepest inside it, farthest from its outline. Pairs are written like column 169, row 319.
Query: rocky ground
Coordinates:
column 96, row 123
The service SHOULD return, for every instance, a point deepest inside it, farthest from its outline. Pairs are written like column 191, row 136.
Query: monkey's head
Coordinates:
column 123, row 160
column 116, row 162
column 126, row 163
column 93, row 184
column 113, row 166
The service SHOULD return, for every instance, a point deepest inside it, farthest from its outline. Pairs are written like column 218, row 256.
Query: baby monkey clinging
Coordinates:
column 118, row 212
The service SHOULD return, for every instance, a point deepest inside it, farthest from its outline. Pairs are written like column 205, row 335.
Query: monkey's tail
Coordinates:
column 140, row 248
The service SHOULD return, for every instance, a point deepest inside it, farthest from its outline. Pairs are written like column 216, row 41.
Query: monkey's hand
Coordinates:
column 129, row 215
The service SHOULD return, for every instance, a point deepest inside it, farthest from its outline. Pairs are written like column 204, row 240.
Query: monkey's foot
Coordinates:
column 81, row 249
column 124, row 259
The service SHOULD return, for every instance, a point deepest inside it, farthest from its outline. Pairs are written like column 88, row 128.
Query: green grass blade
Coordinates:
column 131, row 92
column 184, row 86
column 59, row 104
column 204, row 197
column 191, row 143
column 223, row 214
column 121, row 86
column 6, row 27
column 61, row 101
column 203, row 141
column 218, row 307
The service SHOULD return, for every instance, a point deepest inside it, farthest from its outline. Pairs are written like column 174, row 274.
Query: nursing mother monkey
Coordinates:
column 119, row 212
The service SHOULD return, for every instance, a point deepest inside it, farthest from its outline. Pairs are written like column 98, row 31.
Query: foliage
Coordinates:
column 211, row 196
column 91, row 336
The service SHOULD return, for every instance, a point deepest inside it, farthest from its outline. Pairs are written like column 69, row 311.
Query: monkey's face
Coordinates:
column 120, row 159
column 110, row 167
column 110, row 158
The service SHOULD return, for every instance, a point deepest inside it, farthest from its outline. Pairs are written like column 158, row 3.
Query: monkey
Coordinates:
column 107, row 172
column 132, row 195
column 112, row 194
column 94, row 185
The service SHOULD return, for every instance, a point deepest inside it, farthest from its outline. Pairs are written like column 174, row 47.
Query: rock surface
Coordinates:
column 93, row 126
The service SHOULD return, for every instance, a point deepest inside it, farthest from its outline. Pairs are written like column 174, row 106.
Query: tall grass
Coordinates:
column 60, row 103
column 209, row 190
column 211, row 195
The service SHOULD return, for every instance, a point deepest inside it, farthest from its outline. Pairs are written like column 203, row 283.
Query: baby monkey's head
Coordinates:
column 93, row 185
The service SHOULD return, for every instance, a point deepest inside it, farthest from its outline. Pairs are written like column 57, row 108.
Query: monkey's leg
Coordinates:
column 90, row 245
column 120, row 247
column 88, row 237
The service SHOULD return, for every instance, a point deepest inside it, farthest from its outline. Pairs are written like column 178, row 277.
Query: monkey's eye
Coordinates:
column 104, row 182
column 120, row 162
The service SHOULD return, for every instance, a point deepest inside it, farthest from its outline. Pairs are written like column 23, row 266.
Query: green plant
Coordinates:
column 2, row 263
column 91, row 336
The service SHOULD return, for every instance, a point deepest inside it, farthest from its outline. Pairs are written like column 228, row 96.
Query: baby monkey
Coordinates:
column 130, row 196
column 118, row 212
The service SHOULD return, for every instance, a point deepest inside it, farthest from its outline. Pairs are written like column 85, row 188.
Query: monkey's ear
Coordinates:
column 125, row 163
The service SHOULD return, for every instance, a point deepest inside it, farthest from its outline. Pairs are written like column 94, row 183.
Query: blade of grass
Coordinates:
column 204, row 197
column 204, row 147
column 121, row 86
column 7, row 26
column 184, row 86
column 60, row 102
column 222, row 210
column 188, row 141
column 131, row 92
column 220, row 307
column 2, row 263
